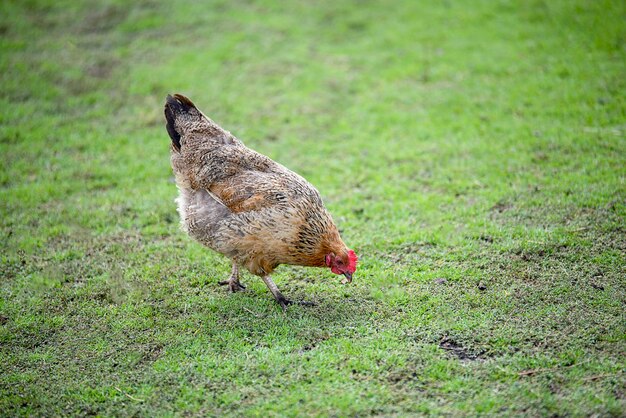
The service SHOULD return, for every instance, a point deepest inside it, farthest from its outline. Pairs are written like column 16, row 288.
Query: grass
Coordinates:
column 471, row 152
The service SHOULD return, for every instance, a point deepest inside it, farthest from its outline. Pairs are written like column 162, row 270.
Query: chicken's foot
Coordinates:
column 233, row 280
column 282, row 301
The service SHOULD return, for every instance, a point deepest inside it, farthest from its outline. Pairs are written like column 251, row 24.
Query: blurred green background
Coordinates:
column 472, row 152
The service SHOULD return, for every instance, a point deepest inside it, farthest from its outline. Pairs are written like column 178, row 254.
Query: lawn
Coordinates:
column 473, row 153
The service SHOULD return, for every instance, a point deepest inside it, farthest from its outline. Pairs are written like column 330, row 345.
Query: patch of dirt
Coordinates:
column 152, row 352
column 312, row 339
column 501, row 206
column 102, row 68
column 409, row 250
column 486, row 238
column 10, row 269
column 403, row 376
column 537, row 254
column 103, row 19
column 459, row 351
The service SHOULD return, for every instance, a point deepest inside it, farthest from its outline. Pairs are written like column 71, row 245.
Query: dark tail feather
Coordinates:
column 176, row 105
column 174, row 135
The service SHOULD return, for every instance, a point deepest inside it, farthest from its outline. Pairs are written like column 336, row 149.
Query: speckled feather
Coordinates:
column 241, row 203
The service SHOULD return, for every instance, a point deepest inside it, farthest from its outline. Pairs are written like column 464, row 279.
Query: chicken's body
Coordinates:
column 244, row 205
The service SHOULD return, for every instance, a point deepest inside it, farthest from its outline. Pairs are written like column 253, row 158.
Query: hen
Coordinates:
column 245, row 206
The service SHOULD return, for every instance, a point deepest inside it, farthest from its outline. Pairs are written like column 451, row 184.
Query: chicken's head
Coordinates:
column 344, row 263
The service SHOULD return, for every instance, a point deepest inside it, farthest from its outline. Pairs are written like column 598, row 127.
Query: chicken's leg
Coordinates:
column 283, row 301
column 233, row 280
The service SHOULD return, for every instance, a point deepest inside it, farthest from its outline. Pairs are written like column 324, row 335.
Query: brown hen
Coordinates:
column 245, row 206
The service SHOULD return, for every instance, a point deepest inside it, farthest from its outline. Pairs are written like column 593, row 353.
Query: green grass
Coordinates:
column 473, row 153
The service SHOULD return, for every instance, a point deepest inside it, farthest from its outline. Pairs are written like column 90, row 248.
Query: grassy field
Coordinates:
column 473, row 153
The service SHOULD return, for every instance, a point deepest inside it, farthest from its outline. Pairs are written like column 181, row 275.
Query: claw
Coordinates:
column 233, row 280
column 286, row 302
column 303, row 303
column 282, row 301
column 233, row 284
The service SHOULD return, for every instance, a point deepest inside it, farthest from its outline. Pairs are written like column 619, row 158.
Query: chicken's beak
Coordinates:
column 348, row 278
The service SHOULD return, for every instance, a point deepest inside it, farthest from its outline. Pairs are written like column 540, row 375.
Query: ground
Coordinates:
column 471, row 152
